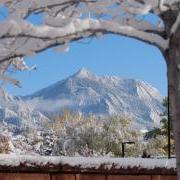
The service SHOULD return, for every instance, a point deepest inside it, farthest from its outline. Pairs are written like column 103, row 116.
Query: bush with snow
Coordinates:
column 94, row 136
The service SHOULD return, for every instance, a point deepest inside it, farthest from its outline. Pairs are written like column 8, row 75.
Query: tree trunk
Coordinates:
column 173, row 72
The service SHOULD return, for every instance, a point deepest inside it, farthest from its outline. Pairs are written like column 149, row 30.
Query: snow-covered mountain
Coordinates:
column 91, row 94
column 18, row 114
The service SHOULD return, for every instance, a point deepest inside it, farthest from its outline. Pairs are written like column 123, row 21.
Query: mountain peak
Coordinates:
column 88, row 93
column 84, row 73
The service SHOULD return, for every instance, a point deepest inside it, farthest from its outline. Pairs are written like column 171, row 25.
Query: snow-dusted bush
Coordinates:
column 94, row 136
column 155, row 145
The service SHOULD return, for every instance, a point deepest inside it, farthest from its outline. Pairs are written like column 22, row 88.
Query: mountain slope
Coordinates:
column 18, row 114
column 91, row 94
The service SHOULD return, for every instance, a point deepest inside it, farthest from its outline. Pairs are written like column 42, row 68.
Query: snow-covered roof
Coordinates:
column 92, row 165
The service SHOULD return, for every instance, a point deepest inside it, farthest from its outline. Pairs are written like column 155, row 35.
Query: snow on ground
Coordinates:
column 86, row 163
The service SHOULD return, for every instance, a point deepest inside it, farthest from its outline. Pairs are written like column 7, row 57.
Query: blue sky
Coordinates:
column 110, row 55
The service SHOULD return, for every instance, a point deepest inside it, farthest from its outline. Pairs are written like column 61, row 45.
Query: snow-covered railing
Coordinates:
column 13, row 167
column 91, row 165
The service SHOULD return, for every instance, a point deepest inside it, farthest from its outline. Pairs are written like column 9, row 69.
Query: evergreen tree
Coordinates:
column 163, row 130
column 48, row 143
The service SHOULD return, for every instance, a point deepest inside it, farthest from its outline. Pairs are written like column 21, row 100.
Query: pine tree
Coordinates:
column 48, row 143
column 162, row 131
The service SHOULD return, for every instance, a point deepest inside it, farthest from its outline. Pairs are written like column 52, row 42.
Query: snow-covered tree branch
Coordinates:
column 67, row 20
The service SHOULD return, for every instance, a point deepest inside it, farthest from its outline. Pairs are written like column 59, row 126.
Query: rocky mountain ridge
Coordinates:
column 87, row 93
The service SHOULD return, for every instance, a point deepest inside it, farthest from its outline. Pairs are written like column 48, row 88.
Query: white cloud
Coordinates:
column 49, row 105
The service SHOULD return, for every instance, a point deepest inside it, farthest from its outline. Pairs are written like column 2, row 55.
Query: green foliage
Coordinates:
column 153, row 133
column 158, row 137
